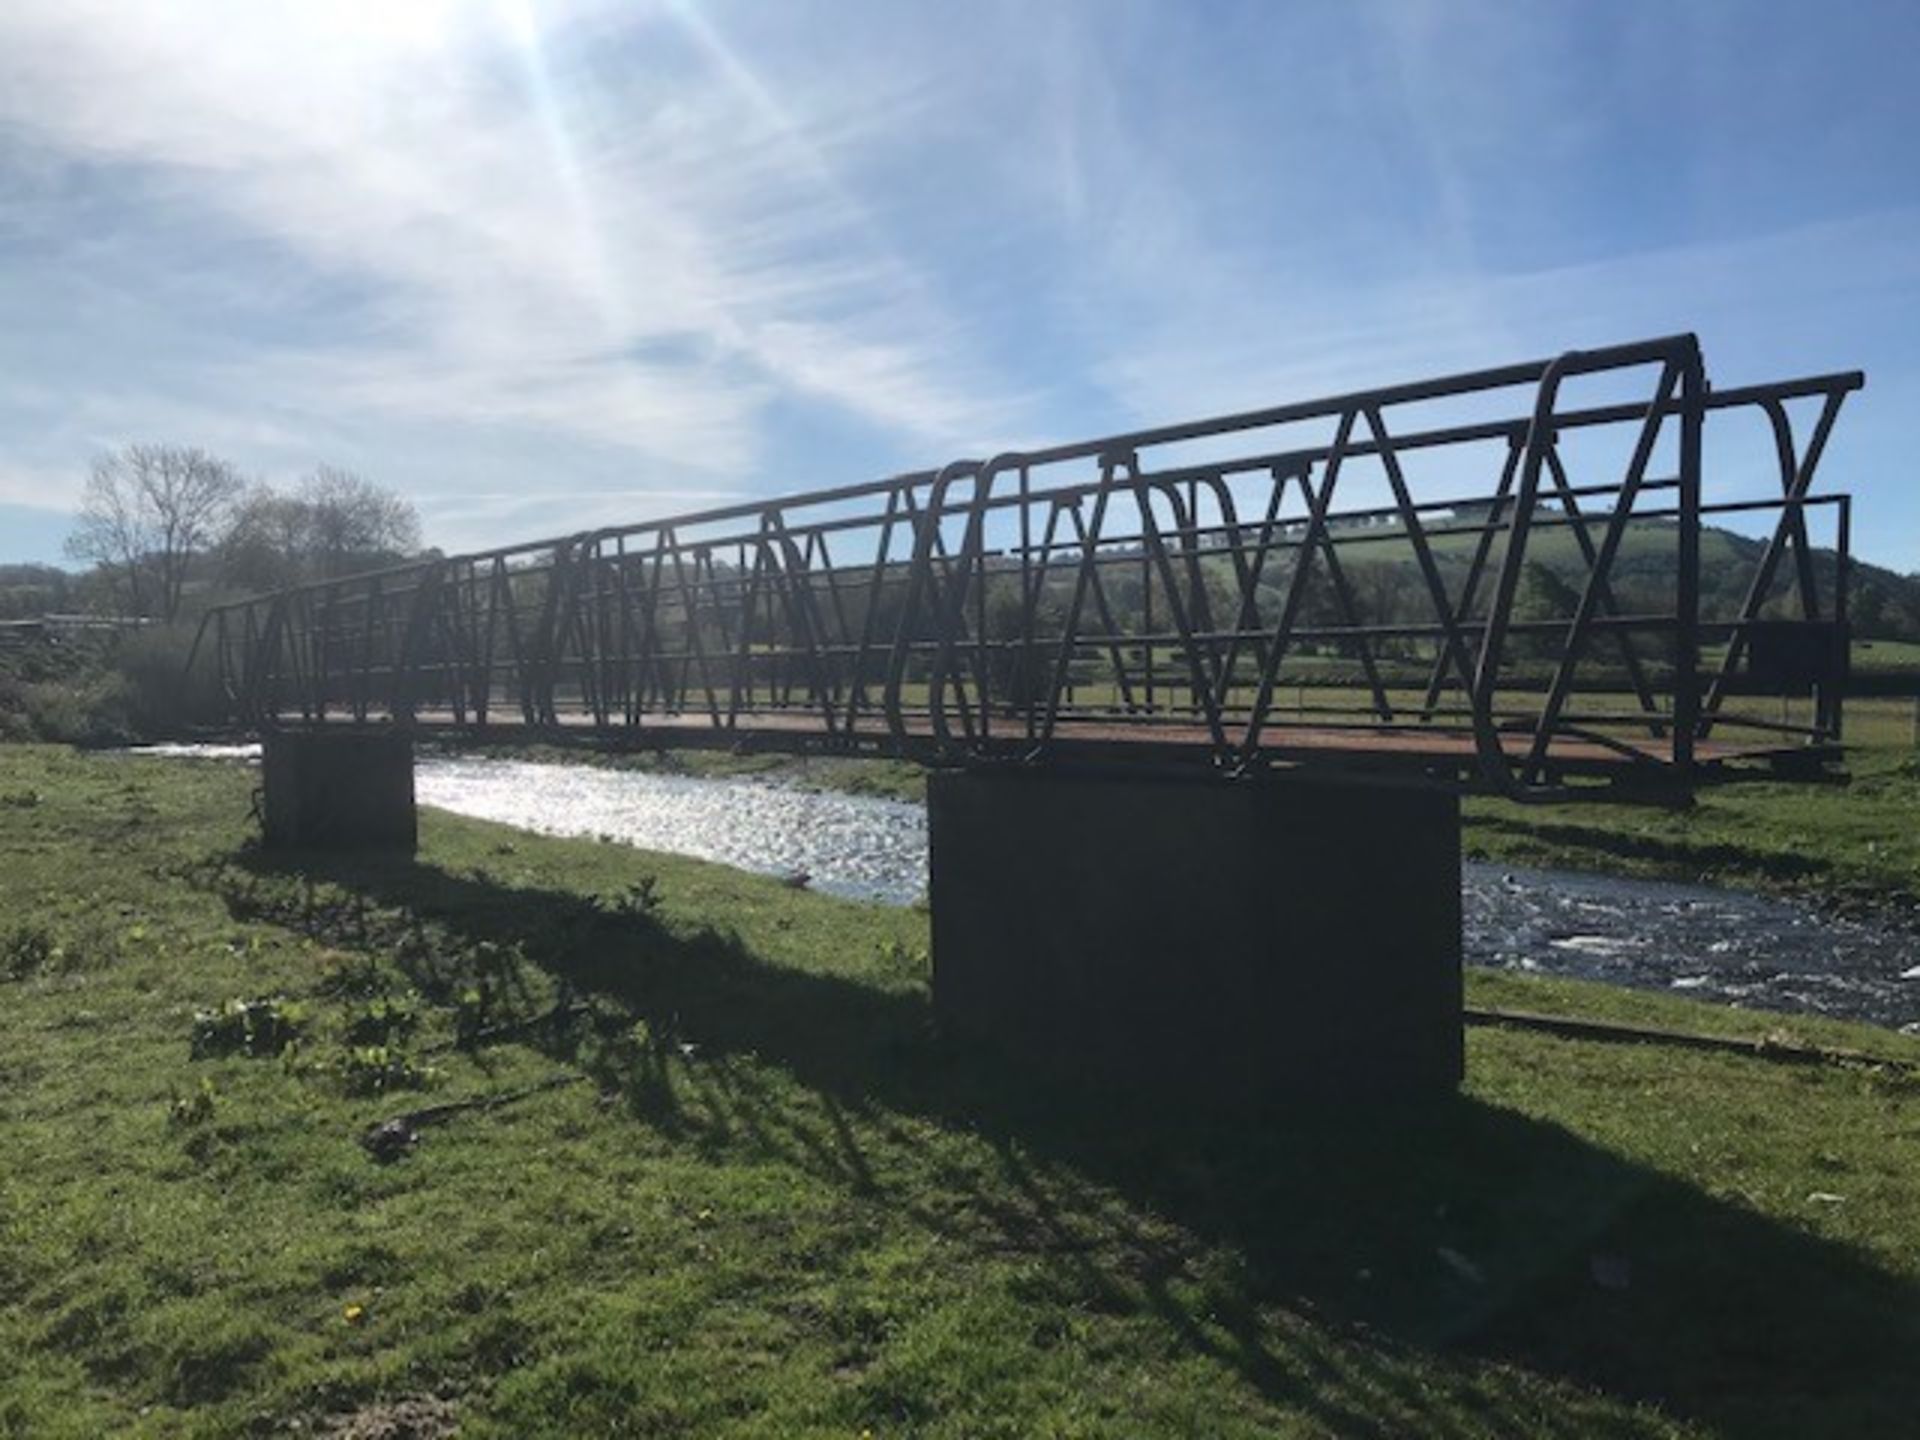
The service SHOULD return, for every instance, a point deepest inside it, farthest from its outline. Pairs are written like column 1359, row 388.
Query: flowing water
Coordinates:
column 1750, row 950
column 852, row 845
column 1721, row 944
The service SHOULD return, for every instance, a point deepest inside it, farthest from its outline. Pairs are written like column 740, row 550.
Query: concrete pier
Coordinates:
column 1253, row 939
column 338, row 789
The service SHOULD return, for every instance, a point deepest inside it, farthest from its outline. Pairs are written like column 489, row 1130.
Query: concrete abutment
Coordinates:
column 1256, row 939
column 338, row 789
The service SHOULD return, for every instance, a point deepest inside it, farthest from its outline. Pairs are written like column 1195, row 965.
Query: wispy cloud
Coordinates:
column 522, row 257
column 521, row 226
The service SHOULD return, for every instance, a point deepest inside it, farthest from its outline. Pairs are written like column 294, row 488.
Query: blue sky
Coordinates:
column 541, row 266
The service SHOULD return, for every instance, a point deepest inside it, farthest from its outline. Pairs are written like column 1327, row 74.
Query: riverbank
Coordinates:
column 755, row 1197
column 1849, row 849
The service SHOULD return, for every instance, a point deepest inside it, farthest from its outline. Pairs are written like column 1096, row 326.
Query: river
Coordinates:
column 1748, row 950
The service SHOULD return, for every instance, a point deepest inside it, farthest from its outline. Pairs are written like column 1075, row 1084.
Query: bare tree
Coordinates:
column 348, row 517
column 147, row 510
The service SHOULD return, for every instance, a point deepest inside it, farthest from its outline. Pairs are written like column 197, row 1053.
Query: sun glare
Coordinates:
column 588, row 234
column 395, row 25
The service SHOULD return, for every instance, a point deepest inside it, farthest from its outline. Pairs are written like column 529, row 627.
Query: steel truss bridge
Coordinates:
column 1590, row 574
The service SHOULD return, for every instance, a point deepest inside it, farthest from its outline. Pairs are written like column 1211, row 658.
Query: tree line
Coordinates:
column 160, row 522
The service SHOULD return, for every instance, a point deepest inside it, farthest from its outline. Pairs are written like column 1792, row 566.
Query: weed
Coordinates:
column 501, row 964
column 347, row 975
column 908, row 962
column 473, row 1010
column 255, row 1028
column 639, row 901
column 27, row 949
column 384, row 1019
column 377, row 1069
column 184, row 1112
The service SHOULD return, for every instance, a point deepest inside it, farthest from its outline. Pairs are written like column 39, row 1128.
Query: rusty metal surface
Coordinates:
column 1371, row 583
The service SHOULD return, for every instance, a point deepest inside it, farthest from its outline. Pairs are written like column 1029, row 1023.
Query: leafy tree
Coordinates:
column 335, row 522
column 265, row 540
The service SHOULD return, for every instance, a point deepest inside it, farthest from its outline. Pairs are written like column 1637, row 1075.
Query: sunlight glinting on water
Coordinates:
column 846, row 845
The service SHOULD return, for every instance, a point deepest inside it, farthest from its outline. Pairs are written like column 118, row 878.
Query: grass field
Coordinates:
column 1898, row 656
column 759, row 1197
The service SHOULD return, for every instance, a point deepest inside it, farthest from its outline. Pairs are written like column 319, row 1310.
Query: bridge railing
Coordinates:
column 1510, row 578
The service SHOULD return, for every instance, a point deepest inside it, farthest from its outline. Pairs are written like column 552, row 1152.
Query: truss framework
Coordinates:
column 1173, row 595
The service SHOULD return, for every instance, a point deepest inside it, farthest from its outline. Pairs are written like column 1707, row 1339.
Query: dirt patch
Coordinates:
column 416, row 1417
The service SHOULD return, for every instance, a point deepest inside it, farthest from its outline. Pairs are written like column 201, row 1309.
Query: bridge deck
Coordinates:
column 1436, row 749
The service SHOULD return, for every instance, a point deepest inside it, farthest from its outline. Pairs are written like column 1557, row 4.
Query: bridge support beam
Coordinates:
column 1254, row 940
column 338, row 789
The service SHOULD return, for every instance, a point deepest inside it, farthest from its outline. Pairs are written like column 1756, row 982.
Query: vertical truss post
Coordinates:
column 1686, row 669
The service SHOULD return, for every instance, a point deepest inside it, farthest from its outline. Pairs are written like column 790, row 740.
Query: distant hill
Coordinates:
column 27, row 591
column 1883, row 604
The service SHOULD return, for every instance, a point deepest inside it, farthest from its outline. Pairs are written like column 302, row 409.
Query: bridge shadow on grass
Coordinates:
column 1355, row 1264
column 1684, row 857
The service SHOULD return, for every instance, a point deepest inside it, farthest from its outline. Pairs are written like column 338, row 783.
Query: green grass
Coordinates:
column 777, row 1204
column 1898, row 656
